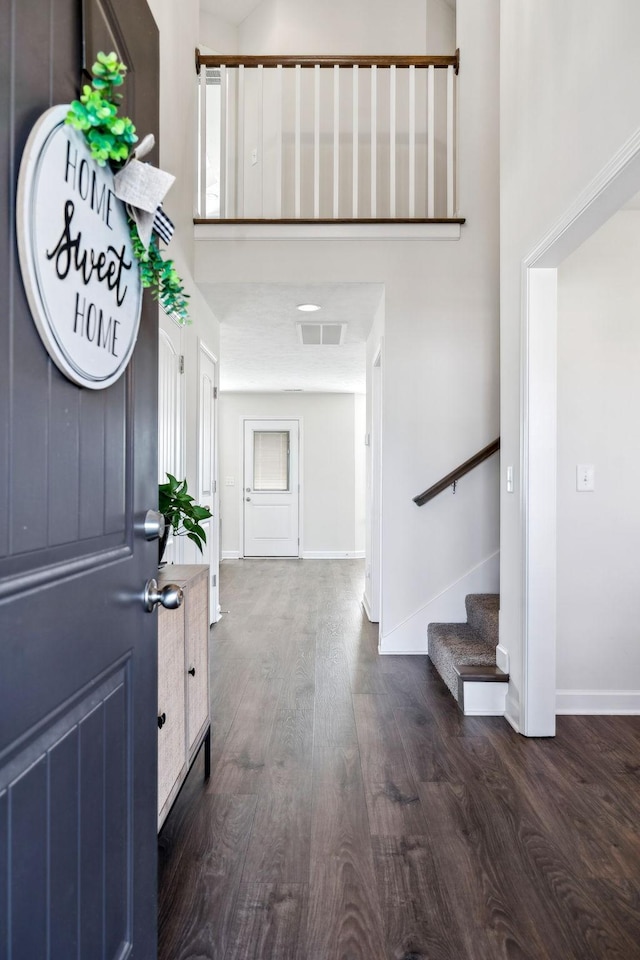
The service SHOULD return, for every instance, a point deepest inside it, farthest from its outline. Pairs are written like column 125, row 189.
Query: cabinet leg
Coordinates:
column 207, row 754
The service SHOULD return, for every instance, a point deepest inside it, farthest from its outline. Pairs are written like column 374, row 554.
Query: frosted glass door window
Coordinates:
column 271, row 460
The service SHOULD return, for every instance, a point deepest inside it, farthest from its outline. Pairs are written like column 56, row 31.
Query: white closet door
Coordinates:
column 271, row 488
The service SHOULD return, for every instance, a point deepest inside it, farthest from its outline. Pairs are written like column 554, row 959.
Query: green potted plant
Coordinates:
column 181, row 513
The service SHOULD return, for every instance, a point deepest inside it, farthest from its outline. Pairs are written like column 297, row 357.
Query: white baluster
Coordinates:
column 202, row 156
column 224, row 140
column 242, row 161
column 260, row 134
column 412, row 141
column 450, row 154
column 316, row 142
column 336, row 140
column 298, row 70
column 392, row 141
column 354, row 149
column 431, row 138
column 374, row 141
column 278, row 198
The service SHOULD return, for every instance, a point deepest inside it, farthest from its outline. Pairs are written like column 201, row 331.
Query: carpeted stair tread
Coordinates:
column 482, row 614
column 457, row 644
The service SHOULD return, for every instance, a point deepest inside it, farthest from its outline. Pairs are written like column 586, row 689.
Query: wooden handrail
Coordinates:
column 439, row 62
column 302, row 221
column 455, row 475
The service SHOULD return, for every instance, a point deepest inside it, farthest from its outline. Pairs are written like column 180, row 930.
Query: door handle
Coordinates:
column 248, row 499
column 154, row 524
column 170, row 596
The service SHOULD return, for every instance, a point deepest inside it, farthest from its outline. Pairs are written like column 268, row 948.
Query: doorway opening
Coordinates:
column 614, row 187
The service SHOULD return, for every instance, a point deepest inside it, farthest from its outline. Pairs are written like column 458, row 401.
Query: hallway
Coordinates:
column 354, row 814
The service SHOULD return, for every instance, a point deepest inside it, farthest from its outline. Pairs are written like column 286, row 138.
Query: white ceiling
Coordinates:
column 259, row 345
column 233, row 11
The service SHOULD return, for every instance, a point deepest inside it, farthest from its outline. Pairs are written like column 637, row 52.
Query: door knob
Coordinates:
column 248, row 499
column 170, row 596
column 153, row 525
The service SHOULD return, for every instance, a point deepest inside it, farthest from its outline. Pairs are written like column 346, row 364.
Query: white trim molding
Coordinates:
column 594, row 702
column 332, row 555
column 230, row 555
column 366, row 607
column 327, row 231
column 484, row 699
column 502, row 658
column 410, row 636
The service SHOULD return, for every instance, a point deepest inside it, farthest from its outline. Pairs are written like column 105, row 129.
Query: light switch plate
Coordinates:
column 509, row 479
column 585, row 478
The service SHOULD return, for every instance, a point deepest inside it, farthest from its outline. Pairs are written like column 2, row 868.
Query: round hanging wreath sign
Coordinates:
column 85, row 255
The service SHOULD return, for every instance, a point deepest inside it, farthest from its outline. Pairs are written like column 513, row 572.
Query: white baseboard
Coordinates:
column 230, row 555
column 410, row 636
column 512, row 708
column 400, row 653
column 595, row 702
column 502, row 658
column 485, row 699
column 367, row 607
column 332, row 554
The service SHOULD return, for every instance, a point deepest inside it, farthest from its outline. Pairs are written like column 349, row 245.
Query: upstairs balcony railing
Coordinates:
column 326, row 139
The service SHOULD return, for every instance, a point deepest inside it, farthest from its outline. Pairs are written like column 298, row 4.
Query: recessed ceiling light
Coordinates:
column 308, row 307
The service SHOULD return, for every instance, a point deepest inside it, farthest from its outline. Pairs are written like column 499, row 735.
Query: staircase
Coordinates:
column 464, row 654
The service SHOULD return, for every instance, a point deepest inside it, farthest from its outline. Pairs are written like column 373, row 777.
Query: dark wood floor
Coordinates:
column 354, row 814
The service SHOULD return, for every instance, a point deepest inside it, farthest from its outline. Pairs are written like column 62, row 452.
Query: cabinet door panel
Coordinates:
column 171, row 702
column 197, row 630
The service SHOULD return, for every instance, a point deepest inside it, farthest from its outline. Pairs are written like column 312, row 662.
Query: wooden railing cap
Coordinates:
column 328, row 60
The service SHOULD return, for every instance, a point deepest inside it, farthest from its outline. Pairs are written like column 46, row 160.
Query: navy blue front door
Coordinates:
column 78, row 725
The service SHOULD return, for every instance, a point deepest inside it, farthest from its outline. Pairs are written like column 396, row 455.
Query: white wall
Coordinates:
column 441, row 27
column 178, row 27
column 440, row 374
column 216, row 35
column 569, row 76
column 598, row 645
column 357, row 27
column 332, row 477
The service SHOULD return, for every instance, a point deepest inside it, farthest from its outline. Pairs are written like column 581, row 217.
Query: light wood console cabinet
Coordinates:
column 184, row 721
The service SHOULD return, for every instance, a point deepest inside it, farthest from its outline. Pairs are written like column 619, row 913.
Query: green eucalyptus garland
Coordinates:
column 110, row 138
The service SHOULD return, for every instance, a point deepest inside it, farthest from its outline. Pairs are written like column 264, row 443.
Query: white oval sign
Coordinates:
column 80, row 274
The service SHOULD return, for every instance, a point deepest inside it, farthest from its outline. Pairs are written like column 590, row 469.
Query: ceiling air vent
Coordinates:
column 321, row 334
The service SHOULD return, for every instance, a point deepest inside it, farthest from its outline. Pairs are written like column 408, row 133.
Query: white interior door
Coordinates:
column 207, row 476
column 271, row 491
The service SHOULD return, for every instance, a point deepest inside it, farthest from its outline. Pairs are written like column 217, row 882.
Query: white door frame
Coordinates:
column 616, row 183
column 300, row 421
column 375, row 562
column 171, row 332
column 203, row 349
